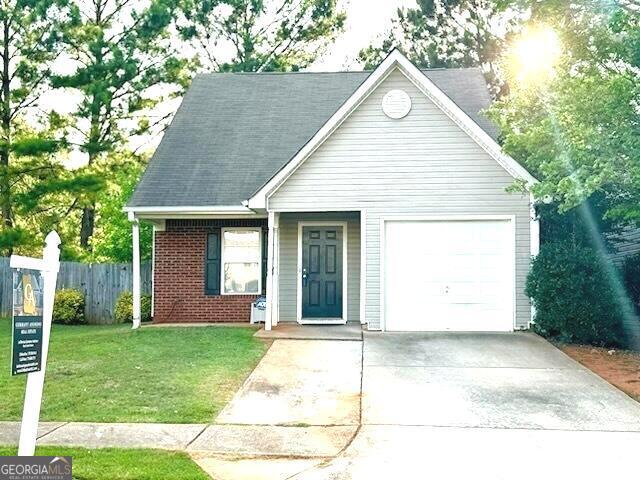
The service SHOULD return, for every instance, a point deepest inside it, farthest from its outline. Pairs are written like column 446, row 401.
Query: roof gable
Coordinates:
column 395, row 60
column 234, row 132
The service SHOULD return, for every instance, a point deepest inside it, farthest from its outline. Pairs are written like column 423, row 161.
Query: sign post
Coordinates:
column 33, row 294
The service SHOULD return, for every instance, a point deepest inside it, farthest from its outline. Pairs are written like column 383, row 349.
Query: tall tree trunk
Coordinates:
column 87, row 223
column 5, row 183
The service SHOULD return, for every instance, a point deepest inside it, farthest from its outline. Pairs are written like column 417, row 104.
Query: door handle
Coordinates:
column 304, row 277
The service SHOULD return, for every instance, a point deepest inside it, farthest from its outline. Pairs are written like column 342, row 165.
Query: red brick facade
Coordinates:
column 179, row 275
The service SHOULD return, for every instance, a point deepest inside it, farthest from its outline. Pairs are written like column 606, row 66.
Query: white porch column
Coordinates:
column 268, row 321
column 135, row 225
column 275, row 312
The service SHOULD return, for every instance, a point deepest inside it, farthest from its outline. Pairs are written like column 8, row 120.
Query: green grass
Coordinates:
column 113, row 374
column 120, row 464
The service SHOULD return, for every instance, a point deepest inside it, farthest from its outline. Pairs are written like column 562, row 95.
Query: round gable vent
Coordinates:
column 396, row 104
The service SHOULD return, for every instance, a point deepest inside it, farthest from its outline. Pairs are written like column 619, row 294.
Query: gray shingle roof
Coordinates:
column 233, row 132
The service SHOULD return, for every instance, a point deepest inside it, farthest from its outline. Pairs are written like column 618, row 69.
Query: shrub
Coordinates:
column 123, row 312
column 68, row 307
column 574, row 298
column 631, row 276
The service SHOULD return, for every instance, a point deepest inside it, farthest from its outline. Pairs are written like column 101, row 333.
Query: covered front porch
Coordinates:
column 308, row 264
column 314, row 268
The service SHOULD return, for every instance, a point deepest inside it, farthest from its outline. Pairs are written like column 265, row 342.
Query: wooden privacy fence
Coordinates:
column 101, row 283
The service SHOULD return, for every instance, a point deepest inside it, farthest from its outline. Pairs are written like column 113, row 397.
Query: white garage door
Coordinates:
column 449, row 275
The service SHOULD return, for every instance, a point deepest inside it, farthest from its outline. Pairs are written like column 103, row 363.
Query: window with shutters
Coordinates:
column 241, row 261
column 212, row 263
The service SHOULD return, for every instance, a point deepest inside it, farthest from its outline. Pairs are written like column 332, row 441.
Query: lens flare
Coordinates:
column 533, row 56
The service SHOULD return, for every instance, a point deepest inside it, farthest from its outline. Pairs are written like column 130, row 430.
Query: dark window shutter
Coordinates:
column 265, row 243
column 212, row 264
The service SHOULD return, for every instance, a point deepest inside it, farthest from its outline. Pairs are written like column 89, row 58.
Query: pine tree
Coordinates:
column 126, row 64
column 276, row 35
column 32, row 178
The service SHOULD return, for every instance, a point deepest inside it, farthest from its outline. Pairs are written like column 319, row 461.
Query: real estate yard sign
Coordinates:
column 26, row 345
column 34, row 288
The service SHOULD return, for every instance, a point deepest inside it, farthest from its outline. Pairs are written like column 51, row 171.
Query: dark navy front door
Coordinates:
column 322, row 272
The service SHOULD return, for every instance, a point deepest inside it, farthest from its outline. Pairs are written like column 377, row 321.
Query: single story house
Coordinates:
column 374, row 197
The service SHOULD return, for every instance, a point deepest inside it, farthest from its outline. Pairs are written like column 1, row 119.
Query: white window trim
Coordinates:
column 240, row 229
column 345, row 277
column 448, row 218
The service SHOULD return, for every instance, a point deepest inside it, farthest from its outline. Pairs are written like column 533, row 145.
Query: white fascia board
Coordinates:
column 199, row 209
column 193, row 212
column 394, row 59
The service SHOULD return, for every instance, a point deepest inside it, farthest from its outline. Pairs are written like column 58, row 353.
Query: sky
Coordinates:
column 366, row 21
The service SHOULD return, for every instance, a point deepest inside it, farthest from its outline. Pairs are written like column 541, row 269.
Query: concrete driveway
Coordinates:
column 486, row 380
column 443, row 406
column 484, row 406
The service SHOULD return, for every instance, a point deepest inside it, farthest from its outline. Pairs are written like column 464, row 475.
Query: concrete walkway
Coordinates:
column 99, row 435
column 295, row 331
column 297, row 410
column 301, row 382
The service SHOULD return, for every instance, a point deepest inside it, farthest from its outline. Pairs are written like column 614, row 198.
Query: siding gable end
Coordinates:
column 424, row 148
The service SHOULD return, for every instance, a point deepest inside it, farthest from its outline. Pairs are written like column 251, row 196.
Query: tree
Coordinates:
column 450, row 33
column 126, row 63
column 277, row 35
column 32, row 179
column 112, row 241
column 579, row 131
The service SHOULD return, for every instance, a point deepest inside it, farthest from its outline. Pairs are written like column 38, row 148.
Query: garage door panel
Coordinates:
column 449, row 275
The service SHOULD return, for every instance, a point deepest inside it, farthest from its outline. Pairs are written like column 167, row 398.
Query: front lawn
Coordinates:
column 113, row 374
column 120, row 464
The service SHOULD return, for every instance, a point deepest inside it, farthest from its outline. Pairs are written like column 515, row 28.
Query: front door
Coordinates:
column 321, row 272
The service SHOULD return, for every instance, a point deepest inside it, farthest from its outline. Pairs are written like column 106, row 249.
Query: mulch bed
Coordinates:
column 618, row 367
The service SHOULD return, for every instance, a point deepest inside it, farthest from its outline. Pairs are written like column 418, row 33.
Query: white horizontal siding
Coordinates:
column 423, row 164
column 289, row 261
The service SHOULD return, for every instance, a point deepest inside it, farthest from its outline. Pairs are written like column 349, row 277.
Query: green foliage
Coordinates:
column 584, row 225
column 126, row 63
column 123, row 61
column 579, row 133
column 34, row 185
column 450, row 33
column 123, row 312
column 69, row 307
column 278, row 35
column 112, row 241
column 631, row 277
column 574, row 296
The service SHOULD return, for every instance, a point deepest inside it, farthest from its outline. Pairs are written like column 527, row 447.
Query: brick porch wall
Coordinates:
column 179, row 275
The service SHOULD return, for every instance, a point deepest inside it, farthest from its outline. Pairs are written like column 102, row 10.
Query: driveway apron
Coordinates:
column 484, row 406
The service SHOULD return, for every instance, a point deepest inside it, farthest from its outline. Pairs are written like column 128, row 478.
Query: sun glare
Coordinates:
column 533, row 55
